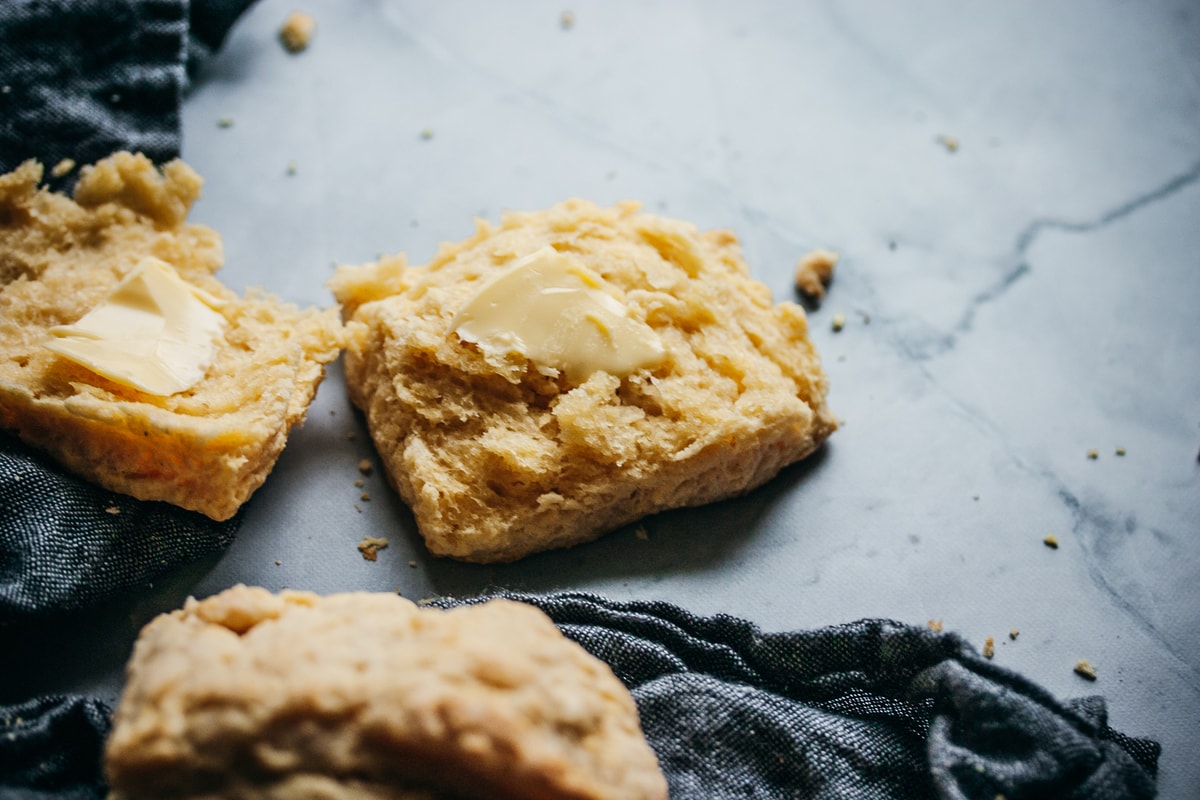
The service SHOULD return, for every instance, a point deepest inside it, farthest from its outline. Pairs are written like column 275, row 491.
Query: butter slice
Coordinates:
column 155, row 332
column 553, row 310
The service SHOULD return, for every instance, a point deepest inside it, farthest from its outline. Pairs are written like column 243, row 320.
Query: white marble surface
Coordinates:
column 1010, row 305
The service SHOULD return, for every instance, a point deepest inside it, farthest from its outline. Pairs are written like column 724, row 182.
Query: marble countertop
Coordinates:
column 1014, row 189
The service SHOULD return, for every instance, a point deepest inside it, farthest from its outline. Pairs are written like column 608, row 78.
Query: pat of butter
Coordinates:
column 554, row 311
column 155, row 332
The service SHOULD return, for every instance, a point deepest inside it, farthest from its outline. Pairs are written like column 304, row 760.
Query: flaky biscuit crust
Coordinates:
column 249, row 694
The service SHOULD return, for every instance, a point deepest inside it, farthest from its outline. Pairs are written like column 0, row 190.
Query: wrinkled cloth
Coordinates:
column 66, row 544
column 872, row 710
column 80, row 79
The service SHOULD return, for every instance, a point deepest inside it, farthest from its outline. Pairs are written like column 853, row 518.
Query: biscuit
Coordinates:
column 249, row 694
column 207, row 448
column 502, row 458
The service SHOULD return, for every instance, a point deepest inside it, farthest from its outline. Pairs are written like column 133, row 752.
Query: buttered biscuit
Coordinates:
column 124, row 358
column 569, row 371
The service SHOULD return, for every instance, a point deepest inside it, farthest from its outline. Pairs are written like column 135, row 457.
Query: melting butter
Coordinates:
column 155, row 332
column 553, row 310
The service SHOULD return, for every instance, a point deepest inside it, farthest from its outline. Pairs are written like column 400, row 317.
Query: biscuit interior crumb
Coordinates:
column 1051, row 541
column 935, row 625
column 1086, row 669
column 63, row 167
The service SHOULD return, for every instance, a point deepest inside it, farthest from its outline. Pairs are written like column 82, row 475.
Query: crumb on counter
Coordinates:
column 989, row 647
column 365, row 497
column 1086, row 669
column 370, row 547
column 1093, row 454
column 948, row 142
column 935, row 625
column 292, row 166
column 412, row 564
column 365, row 466
column 427, row 133
column 567, row 20
column 1014, row 633
column 225, row 122
column 814, row 271
column 1051, row 541
column 1120, row 450
column 641, row 533
column 297, row 31
column 112, row 510
column 838, row 322
column 63, row 167
column 359, row 483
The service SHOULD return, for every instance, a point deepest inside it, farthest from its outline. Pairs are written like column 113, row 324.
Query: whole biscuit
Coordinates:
column 249, row 694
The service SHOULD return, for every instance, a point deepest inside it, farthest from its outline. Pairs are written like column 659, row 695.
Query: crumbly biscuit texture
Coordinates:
column 249, row 694
column 499, row 460
column 205, row 449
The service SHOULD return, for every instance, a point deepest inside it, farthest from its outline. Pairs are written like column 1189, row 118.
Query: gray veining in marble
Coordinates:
column 1010, row 304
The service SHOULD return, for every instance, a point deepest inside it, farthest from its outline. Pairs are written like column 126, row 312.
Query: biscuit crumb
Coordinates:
column 641, row 532
column 297, row 31
column 1051, row 541
column 427, row 134
column 112, row 510
column 359, row 483
column 278, row 562
column 412, row 564
column 225, row 122
column 1014, row 633
column 989, row 647
column 365, row 466
column 63, row 167
column 814, row 271
column 838, row 322
column 1120, row 450
column 935, row 625
column 370, row 547
column 292, row 166
column 948, row 142
column 567, row 20
column 365, row 497
column 1086, row 669
column 1093, row 454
